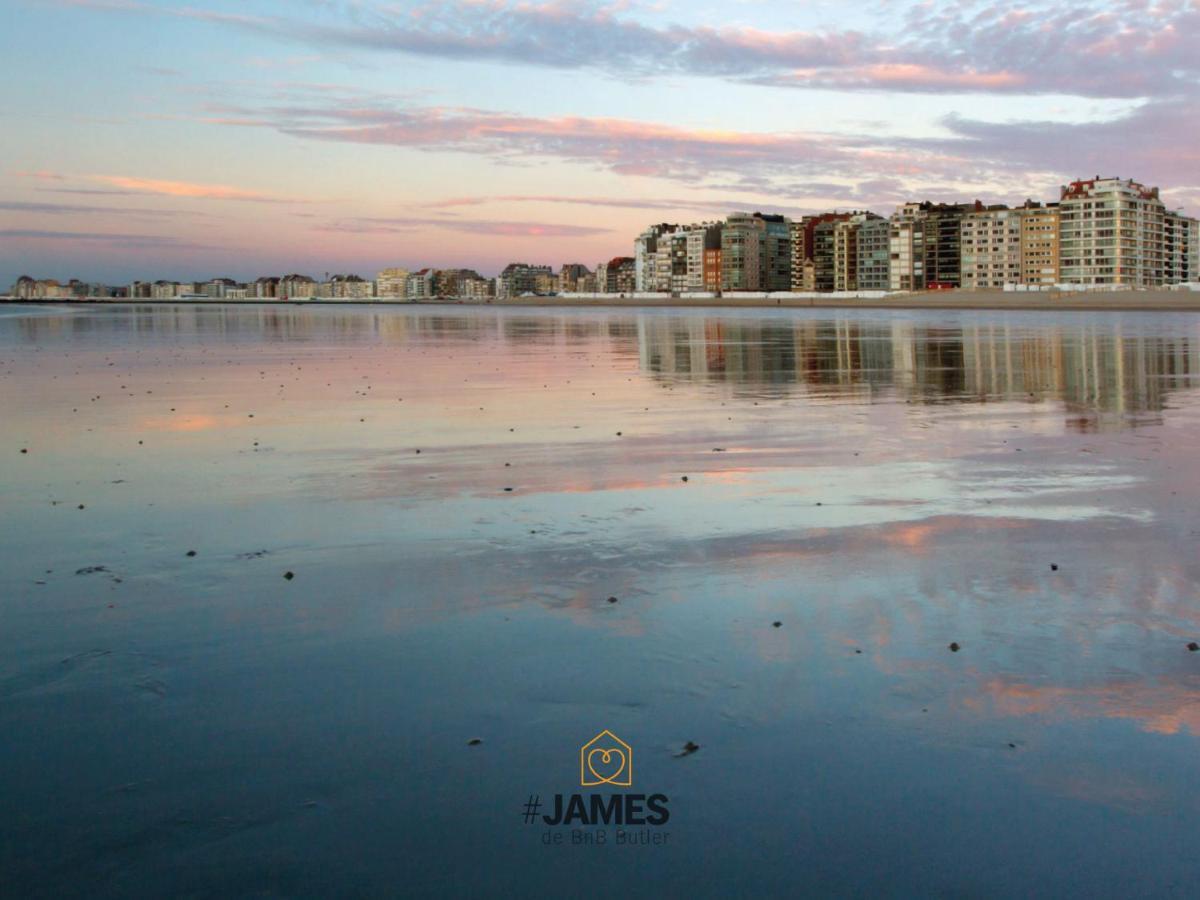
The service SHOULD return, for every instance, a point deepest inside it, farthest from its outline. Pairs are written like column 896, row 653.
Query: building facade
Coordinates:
column 1111, row 232
column 873, row 255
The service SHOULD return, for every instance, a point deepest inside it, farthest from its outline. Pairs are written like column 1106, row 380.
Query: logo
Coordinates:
column 594, row 819
column 606, row 759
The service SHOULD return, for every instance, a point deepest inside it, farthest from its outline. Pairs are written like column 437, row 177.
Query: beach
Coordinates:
column 324, row 600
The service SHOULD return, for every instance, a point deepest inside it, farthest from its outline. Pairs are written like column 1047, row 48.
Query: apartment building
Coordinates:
column 906, row 239
column 776, row 260
column 990, row 243
column 296, row 287
column 743, row 252
column 391, row 282
column 652, row 262
column 873, row 255
column 803, row 248
column 1039, row 244
column 845, row 249
column 1181, row 248
column 1111, row 232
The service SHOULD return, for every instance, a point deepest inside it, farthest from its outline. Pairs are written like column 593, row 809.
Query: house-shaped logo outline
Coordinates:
column 604, row 744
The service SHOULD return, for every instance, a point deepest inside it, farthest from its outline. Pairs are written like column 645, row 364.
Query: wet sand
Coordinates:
column 457, row 493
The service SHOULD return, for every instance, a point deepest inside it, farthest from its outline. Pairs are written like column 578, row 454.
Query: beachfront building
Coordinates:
column 822, row 255
column 906, row 241
column 803, row 249
column 477, row 288
column 649, row 265
column 620, row 276
column 873, row 254
column 743, row 251
column 351, row 287
column 391, row 283
column 1039, row 244
column 776, row 260
column 575, row 278
column 1111, row 233
column 523, row 278
column 703, row 244
column 217, row 288
column 27, row 288
column 1181, row 248
column 266, row 288
column 296, row 287
column 991, row 248
column 671, row 272
column 845, row 249
column 712, row 266
column 420, row 285
column 451, row 282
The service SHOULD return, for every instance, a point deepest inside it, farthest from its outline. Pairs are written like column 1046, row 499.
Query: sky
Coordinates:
column 151, row 139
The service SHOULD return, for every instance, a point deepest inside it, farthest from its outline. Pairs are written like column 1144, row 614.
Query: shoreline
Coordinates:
column 1131, row 301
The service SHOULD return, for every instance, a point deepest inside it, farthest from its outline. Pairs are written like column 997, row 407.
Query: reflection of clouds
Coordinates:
column 1119, row 789
column 1162, row 706
column 186, row 423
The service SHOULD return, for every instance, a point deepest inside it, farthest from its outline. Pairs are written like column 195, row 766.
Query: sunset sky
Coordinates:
column 150, row 139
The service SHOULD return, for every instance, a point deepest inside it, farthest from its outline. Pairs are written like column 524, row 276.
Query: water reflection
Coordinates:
column 1108, row 364
column 881, row 485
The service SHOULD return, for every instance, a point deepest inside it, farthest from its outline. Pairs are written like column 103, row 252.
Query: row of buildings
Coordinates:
column 517, row 279
column 1101, row 231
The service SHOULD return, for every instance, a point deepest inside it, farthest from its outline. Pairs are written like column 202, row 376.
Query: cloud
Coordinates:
column 41, row 175
column 66, row 209
column 134, row 241
column 717, row 206
column 622, row 146
column 368, row 225
column 1120, row 48
column 184, row 189
column 1157, row 142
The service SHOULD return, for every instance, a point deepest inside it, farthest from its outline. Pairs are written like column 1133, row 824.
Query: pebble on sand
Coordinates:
column 1053, row 567
column 191, row 553
column 684, row 478
column 1193, row 646
column 776, row 624
column 289, row 575
column 954, row 647
column 612, row 599
column 474, row 742
column 688, row 749
column 24, row 450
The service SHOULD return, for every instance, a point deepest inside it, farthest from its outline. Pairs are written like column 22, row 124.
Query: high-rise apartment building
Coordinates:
column 1039, row 244
column 743, row 248
column 803, row 248
column 1181, row 248
column 391, row 282
column 991, row 248
column 652, row 261
column 845, row 249
column 1111, row 232
column 907, row 248
column 776, row 259
column 873, row 255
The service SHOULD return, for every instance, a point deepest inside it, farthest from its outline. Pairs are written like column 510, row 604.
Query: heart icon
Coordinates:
column 606, row 764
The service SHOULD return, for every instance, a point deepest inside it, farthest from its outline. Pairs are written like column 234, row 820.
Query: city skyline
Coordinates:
column 264, row 137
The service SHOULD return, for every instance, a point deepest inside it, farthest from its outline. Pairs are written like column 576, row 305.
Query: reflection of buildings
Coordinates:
column 1090, row 369
column 1096, row 367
